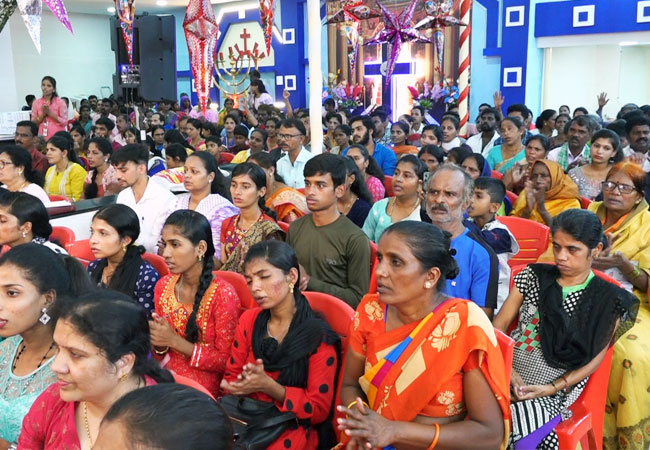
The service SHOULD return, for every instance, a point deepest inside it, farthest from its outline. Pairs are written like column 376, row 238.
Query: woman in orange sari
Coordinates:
column 422, row 369
column 288, row 203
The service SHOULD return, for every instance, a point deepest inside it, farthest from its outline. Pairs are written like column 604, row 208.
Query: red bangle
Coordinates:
column 435, row 438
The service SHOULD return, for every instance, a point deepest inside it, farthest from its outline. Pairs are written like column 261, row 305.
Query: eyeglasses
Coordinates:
column 4, row 163
column 288, row 136
column 622, row 188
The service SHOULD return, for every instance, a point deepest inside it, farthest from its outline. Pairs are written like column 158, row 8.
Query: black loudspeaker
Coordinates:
column 153, row 75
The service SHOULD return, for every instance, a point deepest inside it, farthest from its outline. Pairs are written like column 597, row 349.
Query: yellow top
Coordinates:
column 69, row 183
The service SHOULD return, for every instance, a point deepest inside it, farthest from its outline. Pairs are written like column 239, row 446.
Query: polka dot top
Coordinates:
column 144, row 285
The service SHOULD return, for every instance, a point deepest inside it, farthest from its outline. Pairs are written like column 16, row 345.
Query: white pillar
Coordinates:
column 315, row 75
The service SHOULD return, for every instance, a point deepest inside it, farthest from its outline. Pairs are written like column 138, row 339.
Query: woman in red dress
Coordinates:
column 103, row 353
column 283, row 353
column 195, row 314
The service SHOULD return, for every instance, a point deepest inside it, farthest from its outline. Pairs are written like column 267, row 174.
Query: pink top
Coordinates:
column 376, row 188
column 50, row 423
column 53, row 125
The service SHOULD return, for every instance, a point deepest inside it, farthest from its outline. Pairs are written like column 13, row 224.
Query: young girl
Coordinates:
column 605, row 152
column 369, row 170
column 253, row 224
column 65, row 177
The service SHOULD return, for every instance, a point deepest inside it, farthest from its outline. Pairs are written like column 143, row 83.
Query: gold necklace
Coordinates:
column 90, row 439
column 391, row 206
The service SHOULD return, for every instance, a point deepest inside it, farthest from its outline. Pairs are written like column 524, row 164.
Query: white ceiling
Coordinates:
column 150, row 6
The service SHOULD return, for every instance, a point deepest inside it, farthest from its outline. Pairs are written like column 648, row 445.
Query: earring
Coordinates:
column 45, row 317
column 291, row 287
column 24, row 234
column 200, row 258
column 20, row 172
column 124, row 248
column 428, row 285
column 123, row 377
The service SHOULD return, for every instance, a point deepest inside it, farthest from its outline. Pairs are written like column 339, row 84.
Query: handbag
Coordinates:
column 256, row 424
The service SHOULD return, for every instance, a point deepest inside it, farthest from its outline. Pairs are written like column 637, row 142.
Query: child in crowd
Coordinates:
column 487, row 199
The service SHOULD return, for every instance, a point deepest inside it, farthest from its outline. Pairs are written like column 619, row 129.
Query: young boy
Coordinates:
column 487, row 199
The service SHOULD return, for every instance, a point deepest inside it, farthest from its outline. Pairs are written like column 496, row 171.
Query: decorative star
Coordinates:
column 397, row 31
column 7, row 8
column 58, row 9
column 201, row 31
column 30, row 11
column 439, row 16
column 350, row 10
column 267, row 15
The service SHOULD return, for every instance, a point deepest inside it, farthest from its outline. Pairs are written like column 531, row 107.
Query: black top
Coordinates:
column 359, row 212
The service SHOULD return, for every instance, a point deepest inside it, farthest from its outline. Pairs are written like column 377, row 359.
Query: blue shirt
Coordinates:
column 478, row 278
column 385, row 157
column 293, row 173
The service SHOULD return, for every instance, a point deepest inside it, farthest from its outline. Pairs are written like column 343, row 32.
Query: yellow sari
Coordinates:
column 627, row 412
column 562, row 195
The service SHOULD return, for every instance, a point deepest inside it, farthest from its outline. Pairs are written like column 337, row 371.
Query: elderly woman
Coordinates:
column 422, row 369
column 626, row 220
column 567, row 318
column 548, row 192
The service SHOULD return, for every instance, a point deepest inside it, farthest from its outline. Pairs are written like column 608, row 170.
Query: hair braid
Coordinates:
column 192, row 329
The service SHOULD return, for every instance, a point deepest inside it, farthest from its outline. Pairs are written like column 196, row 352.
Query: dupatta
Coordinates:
column 562, row 195
column 407, row 368
column 242, row 241
column 288, row 201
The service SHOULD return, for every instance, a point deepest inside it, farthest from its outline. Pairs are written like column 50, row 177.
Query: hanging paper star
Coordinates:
column 351, row 31
column 397, row 31
column 7, row 8
column 126, row 14
column 439, row 16
column 201, row 31
column 350, row 10
column 30, row 11
column 267, row 15
column 58, row 9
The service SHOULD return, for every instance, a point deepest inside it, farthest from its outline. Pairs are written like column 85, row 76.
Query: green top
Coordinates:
column 336, row 257
column 569, row 289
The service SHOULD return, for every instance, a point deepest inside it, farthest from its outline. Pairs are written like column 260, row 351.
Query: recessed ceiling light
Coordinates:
column 161, row 2
column 111, row 9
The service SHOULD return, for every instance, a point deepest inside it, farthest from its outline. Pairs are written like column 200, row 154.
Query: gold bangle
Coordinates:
column 161, row 352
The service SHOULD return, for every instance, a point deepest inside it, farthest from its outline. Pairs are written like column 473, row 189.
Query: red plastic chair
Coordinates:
column 373, row 266
column 226, row 157
column 158, row 263
column 531, row 236
column 584, row 202
column 185, row 381
column 81, row 251
column 512, row 197
column 496, row 174
column 58, row 198
column 507, row 346
column 62, row 235
column 284, row 226
column 238, row 281
column 339, row 316
column 388, row 184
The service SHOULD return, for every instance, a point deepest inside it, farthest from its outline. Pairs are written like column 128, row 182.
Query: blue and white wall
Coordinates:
column 567, row 51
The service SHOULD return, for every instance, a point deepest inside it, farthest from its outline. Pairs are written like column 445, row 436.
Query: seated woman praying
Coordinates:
column 283, row 353
column 567, row 320
column 548, row 192
column 422, row 369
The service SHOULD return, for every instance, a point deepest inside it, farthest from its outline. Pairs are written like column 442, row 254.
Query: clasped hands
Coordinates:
column 521, row 391
column 252, row 379
column 366, row 428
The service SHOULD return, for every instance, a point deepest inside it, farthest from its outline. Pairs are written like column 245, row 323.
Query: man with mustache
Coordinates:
column 449, row 194
column 487, row 124
column 638, row 134
column 26, row 134
column 363, row 132
column 576, row 151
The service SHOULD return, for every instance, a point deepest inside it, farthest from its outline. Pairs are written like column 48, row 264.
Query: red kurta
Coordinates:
column 313, row 402
column 217, row 318
column 50, row 423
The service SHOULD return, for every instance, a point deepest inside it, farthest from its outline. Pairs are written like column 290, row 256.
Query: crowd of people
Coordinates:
column 399, row 220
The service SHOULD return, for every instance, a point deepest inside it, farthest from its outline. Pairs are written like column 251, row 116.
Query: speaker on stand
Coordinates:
column 153, row 74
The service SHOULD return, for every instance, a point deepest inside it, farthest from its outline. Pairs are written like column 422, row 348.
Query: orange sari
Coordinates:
column 426, row 376
column 288, row 203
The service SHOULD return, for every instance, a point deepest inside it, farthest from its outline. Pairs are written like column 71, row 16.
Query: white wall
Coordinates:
column 9, row 100
column 82, row 63
column 576, row 75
